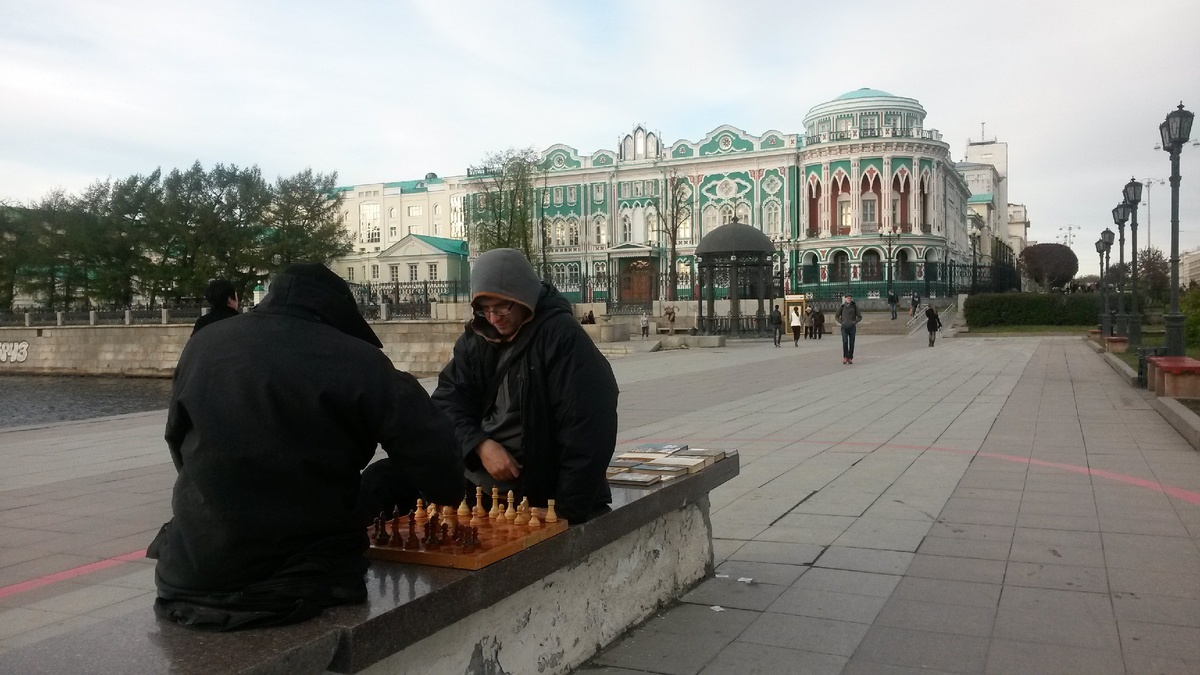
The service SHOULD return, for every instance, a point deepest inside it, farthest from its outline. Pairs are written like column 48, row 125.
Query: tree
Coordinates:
column 1049, row 264
column 508, row 211
column 303, row 223
column 1154, row 274
column 674, row 222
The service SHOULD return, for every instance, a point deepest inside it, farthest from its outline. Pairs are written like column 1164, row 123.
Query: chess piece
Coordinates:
column 477, row 516
column 448, row 516
column 534, row 523
column 551, row 516
column 464, row 511
column 494, row 514
column 478, row 510
column 433, row 510
column 511, row 514
column 421, row 514
column 522, row 512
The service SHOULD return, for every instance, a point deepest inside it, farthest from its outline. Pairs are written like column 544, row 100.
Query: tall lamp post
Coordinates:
column 1175, row 131
column 1133, row 195
column 974, row 261
column 890, row 236
column 1105, row 327
column 1120, row 217
column 1107, row 237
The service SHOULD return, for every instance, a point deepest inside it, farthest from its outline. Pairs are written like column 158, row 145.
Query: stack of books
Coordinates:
column 652, row 463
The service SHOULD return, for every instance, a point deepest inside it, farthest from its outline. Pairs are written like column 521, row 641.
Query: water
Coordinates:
column 30, row 399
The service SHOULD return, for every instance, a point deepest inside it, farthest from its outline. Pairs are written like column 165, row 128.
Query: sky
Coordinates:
column 384, row 91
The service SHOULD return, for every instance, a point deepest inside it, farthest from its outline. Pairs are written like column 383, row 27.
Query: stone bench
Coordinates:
column 1116, row 345
column 544, row 610
column 1173, row 376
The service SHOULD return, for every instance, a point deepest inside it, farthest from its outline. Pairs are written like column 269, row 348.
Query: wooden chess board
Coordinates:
column 498, row 539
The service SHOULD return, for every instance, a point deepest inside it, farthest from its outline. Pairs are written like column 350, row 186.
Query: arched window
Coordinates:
column 726, row 214
column 572, row 232
column 437, row 209
column 710, row 218
column 598, row 230
column 627, row 149
column 843, row 212
column 560, row 233
column 683, row 228
column 872, row 269
column 743, row 213
column 626, row 229
column 392, row 212
column 840, row 267
column 772, row 221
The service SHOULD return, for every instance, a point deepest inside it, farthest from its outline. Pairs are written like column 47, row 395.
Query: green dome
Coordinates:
column 865, row 92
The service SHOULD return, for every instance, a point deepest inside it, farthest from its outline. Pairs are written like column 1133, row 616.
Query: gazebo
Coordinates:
column 735, row 254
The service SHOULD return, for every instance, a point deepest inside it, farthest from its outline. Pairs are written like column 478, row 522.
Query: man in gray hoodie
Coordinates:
column 533, row 401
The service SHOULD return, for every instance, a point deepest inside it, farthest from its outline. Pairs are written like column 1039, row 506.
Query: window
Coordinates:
column 374, row 271
column 743, row 213
column 598, row 192
column 412, row 229
column 481, row 201
column 392, row 232
column 394, row 273
column 637, row 189
column 349, row 274
column 412, row 272
column 626, row 229
column 435, row 228
column 572, row 232
column 416, row 210
column 560, row 233
column 392, row 212
column 895, row 208
column 726, row 214
column 368, row 223
column 869, row 122
column 545, row 198
column 625, row 190
column 843, row 124
column 771, row 216
column 557, row 196
column 433, row 273
column 571, row 196
column 437, row 209
column 868, row 210
column 598, row 226
column 844, row 211
column 710, row 219
column 683, row 229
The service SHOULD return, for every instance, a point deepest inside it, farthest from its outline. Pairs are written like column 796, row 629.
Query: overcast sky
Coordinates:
column 381, row 91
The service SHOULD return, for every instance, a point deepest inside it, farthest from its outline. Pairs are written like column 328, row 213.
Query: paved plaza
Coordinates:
column 988, row 505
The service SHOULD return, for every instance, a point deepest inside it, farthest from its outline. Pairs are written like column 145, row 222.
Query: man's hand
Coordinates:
column 499, row 464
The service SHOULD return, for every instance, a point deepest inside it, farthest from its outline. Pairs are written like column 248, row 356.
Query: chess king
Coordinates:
column 534, row 403
column 273, row 414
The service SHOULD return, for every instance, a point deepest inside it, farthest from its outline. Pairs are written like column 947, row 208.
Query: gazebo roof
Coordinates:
column 734, row 237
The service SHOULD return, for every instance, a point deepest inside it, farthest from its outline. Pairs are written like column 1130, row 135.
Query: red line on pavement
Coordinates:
column 39, row 582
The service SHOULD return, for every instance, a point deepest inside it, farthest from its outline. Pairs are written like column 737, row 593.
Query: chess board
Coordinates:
column 493, row 537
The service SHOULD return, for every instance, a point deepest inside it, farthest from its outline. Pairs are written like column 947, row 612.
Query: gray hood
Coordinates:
column 505, row 273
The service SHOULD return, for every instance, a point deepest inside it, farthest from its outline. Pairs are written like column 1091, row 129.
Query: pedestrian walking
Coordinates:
column 776, row 321
column 893, row 301
column 818, row 322
column 933, row 323
column 916, row 305
column 848, row 317
column 809, row 323
column 645, row 320
column 797, row 324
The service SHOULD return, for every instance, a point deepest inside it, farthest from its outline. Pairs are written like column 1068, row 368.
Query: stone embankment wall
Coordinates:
column 419, row 347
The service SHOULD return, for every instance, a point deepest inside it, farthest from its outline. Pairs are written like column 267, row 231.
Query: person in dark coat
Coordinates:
column 223, row 303
column 848, row 316
column 776, row 321
column 819, row 323
column 273, row 414
column 533, row 401
column 933, row 323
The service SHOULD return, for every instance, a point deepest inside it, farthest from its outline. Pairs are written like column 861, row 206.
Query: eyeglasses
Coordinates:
column 498, row 310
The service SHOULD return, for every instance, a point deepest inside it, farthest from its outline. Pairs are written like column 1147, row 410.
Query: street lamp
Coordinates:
column 1107, row 237
column 1133, row 195
column 890, row 236
column 1120, row 216
column 974, row 266
column 1175, row 131
column 1105, row 327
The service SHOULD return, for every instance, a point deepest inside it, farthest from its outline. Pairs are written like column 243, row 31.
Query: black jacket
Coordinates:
column 568, row 402
column 273, row 414
column 217, row 313
column 776, row 318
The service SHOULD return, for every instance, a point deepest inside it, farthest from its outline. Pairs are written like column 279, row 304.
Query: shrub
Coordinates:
column 1189, row 305
column 1031, row 309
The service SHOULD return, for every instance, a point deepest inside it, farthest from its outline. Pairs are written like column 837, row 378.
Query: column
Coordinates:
column 855, row 199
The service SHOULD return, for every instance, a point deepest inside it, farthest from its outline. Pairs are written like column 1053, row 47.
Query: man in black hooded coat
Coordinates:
column 273, row 415
column 533, row 401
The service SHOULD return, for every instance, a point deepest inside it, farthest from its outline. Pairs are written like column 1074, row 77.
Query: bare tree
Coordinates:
column 670, row 216
column 508, row 209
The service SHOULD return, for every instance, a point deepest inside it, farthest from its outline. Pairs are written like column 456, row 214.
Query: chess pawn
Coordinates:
column 551, row 516
column 477, row 516
column 533, row 519
column 448, row 516
column 511, row 514
column 464, row 511
column 421, row 514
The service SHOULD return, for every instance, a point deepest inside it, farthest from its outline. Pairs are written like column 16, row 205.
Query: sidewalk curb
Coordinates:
column 1186, row 422
column 1128, row 374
